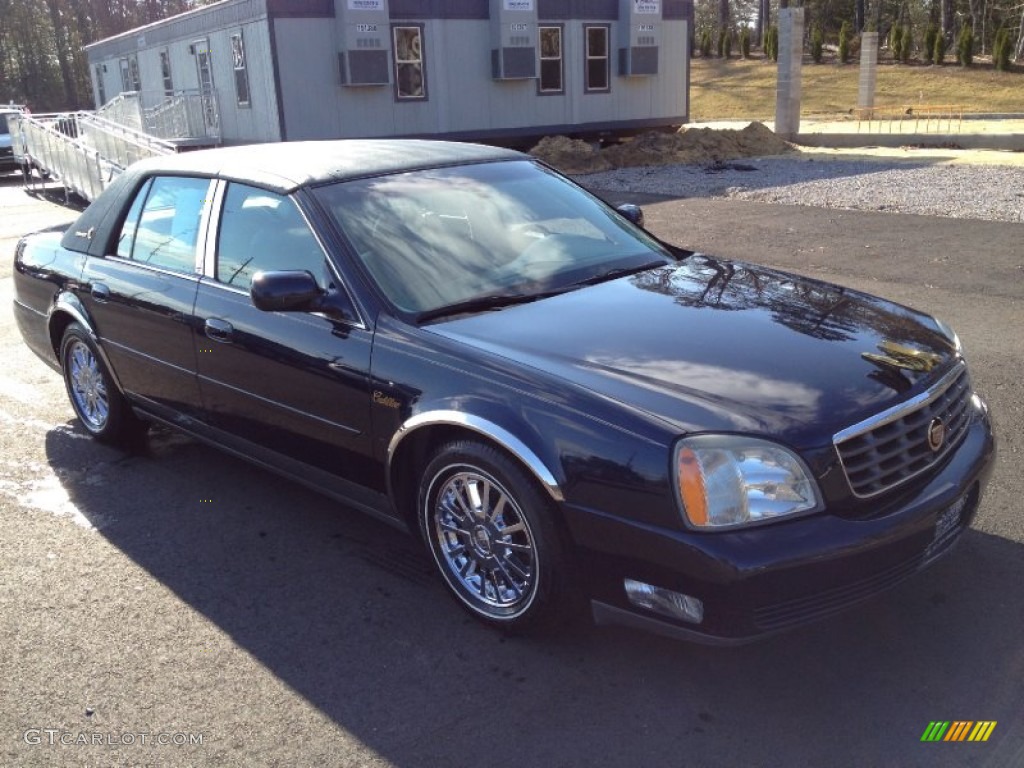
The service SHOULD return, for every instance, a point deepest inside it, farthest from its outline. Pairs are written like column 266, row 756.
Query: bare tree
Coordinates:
column 946, row 13
column 1018, row 50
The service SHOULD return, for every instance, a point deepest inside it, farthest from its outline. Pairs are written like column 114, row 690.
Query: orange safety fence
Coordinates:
column 911, row 118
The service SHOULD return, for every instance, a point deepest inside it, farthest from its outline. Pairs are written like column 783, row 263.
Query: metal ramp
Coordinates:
column 81, row 151
column 85, row 151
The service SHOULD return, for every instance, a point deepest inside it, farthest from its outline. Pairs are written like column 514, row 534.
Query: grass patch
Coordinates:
column 746, row 89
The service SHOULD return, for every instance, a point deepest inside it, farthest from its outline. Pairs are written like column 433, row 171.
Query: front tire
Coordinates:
column 493, row 537
column 98, row 404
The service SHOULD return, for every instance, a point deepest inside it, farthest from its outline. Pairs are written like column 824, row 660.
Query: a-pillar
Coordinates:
column 791, row 54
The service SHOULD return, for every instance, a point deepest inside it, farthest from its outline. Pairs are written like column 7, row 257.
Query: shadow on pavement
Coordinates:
column 50, row 191
column 349, row 614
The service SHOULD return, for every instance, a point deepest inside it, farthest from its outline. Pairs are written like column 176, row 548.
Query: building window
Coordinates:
column 410, row 75
column 101, row 87
column 241, row 74
column 597, row 63
column 551, row 60
column 165, row 72
column 133, row 70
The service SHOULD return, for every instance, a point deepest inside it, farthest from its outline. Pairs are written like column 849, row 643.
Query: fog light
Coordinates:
column 665, row 601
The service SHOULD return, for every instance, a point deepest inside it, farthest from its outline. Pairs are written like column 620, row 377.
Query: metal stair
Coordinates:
column 85, row 151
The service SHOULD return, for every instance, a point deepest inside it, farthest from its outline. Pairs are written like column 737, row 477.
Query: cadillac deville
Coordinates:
column 460, row 341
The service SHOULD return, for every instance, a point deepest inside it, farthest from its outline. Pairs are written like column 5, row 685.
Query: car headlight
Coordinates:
column 729, row 481
column 950, row 334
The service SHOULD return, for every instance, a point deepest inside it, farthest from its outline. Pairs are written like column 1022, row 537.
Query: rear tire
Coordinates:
column 493, row 537
column 98, row 403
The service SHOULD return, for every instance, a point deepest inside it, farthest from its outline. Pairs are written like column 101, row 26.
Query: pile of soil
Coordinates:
column 570, row 155
column 694, row 145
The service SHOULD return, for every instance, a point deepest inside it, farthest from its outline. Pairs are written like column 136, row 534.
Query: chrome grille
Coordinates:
column 892, row 447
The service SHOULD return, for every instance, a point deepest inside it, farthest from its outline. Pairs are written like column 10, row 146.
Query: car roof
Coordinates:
column 286, row 166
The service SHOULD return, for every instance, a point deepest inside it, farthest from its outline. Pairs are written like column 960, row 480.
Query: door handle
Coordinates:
column 100, row 292
column 218, row 330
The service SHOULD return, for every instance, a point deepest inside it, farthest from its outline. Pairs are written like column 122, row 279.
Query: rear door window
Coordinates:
column 162, row 227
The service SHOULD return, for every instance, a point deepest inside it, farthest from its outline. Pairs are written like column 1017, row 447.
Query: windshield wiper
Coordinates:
column 484, row 303
column 500, row 300
column 611, row 274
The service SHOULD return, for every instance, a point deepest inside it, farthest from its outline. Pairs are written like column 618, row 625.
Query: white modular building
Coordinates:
column 488, row 70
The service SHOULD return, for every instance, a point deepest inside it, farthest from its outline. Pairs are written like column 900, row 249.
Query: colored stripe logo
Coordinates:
column 958, row 730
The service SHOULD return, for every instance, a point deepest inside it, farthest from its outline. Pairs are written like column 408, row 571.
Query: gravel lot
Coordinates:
column 986, row 192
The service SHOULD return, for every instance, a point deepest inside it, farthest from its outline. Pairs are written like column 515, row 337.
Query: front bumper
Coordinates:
column 760, row 581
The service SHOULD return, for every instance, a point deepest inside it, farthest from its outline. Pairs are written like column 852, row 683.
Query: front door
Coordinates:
column 292, row 382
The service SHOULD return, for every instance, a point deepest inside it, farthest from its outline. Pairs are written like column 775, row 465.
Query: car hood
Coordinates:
column 712, row 345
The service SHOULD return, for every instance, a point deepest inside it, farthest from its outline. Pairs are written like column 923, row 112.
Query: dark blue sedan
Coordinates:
column 464, row 343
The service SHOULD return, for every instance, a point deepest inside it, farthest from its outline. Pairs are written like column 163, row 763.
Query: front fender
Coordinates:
column 582, row 448
column 444, row 416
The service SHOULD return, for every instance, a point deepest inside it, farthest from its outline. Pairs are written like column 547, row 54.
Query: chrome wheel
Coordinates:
column 94, row 394
column 483, row 542
column 87, row 386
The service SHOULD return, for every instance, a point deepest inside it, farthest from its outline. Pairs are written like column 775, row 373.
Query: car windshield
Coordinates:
column 3, row 123
column 514, row 229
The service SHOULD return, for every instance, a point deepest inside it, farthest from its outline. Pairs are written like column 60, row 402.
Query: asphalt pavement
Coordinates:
column 182, row 608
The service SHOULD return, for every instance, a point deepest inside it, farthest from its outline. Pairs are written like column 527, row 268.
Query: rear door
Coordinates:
column 141, row 295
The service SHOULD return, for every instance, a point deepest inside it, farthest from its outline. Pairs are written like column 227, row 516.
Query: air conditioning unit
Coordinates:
column 364, row 34
column 639, row 30
column 513, row 39
column 514, row 62
column 364, row 67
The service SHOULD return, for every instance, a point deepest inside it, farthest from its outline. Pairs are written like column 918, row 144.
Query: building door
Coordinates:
column 204, row 66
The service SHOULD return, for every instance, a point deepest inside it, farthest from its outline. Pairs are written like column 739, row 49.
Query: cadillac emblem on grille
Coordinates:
column 906, row 440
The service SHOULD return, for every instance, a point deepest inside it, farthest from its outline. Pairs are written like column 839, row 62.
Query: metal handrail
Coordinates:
column 83, row 151
column 86, row 150
column 126, row 133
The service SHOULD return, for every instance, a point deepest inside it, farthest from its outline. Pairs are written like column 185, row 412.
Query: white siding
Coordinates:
column 462, row 96
column 255, row 123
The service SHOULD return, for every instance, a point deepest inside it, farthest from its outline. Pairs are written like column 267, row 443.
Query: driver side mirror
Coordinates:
column 290, row 291
column 297, row 291
column 632, row 212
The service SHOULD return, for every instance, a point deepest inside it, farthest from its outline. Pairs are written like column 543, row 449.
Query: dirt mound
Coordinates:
column 570, row 155
column 694, row 145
